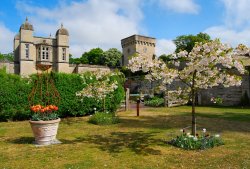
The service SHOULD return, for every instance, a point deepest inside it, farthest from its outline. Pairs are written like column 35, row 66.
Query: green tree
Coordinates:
column 7, row 57
column 84, row 58
column 187, row 42
column 112, row 57
column 73, row 60
column 165, row 58
column 94, row 57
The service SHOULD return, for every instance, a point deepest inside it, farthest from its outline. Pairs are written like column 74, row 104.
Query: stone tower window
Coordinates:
column 45, row 53
column 128, row 50
column 27, row 51
column 63, row 53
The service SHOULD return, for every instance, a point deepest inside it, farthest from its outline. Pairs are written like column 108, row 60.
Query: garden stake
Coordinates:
column 138, row 107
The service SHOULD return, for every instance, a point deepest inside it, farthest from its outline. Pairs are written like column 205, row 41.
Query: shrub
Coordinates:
column 154, row 102
column 101, row 118
column 14, row 92
column 190, row 142
column 13, row 97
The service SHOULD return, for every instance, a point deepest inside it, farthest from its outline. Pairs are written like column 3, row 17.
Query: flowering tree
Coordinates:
column 156, row 69
column 100, row 87
column 207, row 65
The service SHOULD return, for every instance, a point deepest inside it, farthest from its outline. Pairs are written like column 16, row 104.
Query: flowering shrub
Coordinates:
column 198, row 142
column 70, row 84
column 101, row 118
column 44, row 112
column 217, row 100
column 100, row 87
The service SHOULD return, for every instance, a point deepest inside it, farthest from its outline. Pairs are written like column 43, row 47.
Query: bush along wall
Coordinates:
column 13, row 97
column 14, row 93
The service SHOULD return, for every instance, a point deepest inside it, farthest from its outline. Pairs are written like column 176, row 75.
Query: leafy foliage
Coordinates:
column 7, row 57
column 112, row 57
column 49, row 116
column 102, row 118
column 187, row 42
column 97, row 56
column 13, row 97
column 73, row 60
column 14, row 93
column 94, row 56
column 154, row 102
column 165, row 58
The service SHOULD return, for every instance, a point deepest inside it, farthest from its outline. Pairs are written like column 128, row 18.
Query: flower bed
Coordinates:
column 198, row 142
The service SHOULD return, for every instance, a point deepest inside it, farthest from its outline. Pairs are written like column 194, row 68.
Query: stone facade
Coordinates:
column 31, row 51
column 137, row 44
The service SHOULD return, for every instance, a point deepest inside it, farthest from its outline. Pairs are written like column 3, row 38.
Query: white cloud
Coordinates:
column 230, row 36
column 236, row 27
column 237, row 13
column 6, row 39
column 181, row 6
column 94, row 23
column 164, row 46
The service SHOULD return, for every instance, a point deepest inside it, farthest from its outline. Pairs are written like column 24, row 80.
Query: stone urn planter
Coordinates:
column 45, row 131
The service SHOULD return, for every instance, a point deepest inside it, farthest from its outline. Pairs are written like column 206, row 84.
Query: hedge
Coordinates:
column 14, row 93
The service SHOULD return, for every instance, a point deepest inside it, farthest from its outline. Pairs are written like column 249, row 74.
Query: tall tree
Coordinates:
column 95, row 56
column 84, row 58
column 187, row 42
column 73, row 60
column 112, row 57
column 7, row 57
column 207, row 65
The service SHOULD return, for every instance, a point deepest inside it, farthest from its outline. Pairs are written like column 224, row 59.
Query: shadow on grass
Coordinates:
column 117, row 142
column 22, row 140
column 228, row 116
column 156, row 122
column 71, row 120
column 226, row 121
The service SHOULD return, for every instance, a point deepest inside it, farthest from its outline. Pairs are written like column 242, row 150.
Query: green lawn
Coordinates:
column 136, row 142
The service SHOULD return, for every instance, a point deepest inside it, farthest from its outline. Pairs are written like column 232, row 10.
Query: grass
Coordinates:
column 136, row 142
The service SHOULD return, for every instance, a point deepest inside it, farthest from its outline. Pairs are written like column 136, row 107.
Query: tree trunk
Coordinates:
column 193, row 105
column 104, row 105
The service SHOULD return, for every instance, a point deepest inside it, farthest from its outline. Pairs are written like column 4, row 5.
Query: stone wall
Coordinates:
column 84, row 68
column 9, row 66
column 231, row 96
column 62, row 67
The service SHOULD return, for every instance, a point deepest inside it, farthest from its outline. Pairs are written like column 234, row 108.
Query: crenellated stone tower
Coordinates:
column 142, row 45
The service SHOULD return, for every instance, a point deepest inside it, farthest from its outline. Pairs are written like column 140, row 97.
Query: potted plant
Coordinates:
column 44, row 124
column 43, row 100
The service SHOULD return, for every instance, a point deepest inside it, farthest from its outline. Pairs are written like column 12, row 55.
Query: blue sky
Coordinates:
column 103, row 23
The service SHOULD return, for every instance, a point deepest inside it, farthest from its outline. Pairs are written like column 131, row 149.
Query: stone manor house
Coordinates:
column 31, row 51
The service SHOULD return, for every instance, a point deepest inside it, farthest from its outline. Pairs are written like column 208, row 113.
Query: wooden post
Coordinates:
column 127, row 107
column 138, row 107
